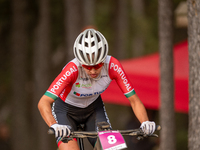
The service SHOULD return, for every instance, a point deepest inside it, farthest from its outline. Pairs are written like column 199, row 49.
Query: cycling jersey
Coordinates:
column 74, row 86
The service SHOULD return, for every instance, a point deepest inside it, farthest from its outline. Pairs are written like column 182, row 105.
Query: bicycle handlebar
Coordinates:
column 93, row 134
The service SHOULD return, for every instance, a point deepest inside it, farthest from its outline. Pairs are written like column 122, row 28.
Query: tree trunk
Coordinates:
column 167, row 115
column 88, row 12
column 19, row 46
column 194, row 74
column 121, row 31
column 41, row 72
column 72, row 25
column 139, row 17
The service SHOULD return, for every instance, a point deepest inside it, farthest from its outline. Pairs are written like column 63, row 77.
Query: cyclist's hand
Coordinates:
column 61, row 130
column 148, row 127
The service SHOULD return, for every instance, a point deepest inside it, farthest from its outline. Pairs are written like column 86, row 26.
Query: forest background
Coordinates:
column 47, row 29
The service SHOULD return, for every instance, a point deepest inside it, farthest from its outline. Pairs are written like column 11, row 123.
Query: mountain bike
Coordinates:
column 106, row 139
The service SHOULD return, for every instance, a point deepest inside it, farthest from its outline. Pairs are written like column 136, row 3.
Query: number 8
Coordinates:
column 111, row 139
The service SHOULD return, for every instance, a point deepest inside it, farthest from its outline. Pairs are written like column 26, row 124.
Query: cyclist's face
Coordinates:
column 93, row 73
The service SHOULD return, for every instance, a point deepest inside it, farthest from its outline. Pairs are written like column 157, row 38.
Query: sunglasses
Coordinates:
column 95, row 66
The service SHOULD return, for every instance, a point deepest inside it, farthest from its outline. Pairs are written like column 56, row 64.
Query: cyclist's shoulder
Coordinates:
column 74, row 63
column 70, row 69
column 109, row 59
column 112, row 61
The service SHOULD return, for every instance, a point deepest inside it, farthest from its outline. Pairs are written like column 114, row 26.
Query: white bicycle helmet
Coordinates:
column 90, row 47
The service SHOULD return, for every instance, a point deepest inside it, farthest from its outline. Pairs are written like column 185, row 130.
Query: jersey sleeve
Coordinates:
column 117, row 73
column 62, row 84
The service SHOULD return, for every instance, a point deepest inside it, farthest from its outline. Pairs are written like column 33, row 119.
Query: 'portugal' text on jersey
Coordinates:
column 76, row 88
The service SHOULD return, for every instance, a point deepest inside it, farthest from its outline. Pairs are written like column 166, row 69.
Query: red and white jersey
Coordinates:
column 74, row 86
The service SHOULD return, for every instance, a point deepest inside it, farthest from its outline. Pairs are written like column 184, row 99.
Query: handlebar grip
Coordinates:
column 51, row 131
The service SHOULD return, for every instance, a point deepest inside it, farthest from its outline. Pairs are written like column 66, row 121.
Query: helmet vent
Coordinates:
column 98, row 38
column 92, row 44
column 81, row 53
column 86, row 35
column 105, row 52
column 80, row 40
column 76, row 53
column 99, row 52
column 86, row 44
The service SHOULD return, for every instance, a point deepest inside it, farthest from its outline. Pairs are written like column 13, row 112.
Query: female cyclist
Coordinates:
column 75, row 92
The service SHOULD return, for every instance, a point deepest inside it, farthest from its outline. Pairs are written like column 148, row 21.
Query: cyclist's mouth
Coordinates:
column 93, row 75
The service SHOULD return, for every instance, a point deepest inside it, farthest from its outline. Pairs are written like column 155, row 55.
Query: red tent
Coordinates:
column 144, row 75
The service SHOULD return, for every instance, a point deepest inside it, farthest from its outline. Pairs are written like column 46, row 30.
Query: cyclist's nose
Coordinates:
column 93, row 70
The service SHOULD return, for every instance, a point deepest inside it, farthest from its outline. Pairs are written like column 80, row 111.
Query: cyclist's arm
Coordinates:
column 44, row 107
column 117, row 72
column 63, row 81
column 138, row 108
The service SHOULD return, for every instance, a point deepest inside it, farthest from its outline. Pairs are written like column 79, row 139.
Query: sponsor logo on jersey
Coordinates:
column 90, row 94
column 84, row 79
column 78, row 85
column 89, row 85
column 104, row 76
column 77, row 94
column 119, row 70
